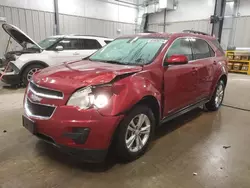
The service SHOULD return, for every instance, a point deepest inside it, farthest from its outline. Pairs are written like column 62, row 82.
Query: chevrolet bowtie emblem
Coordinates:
column 35, row 98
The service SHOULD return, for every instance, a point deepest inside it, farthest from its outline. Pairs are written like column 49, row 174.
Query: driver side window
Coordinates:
column 181, row 46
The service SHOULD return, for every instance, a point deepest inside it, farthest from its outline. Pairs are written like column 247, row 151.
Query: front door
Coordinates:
column 71, row 51
column 180, row 81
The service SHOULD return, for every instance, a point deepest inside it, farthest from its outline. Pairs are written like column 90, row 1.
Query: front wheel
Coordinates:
column 217, row 98
column 29, row 72
column 135, row 133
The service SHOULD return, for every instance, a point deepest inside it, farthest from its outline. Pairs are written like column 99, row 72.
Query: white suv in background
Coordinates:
column 21, row 65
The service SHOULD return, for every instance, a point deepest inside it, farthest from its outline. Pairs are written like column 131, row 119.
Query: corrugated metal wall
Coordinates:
column 241, row 36
column 39, row 25
column 199, row 25
column 89, row 26
column 36, row 24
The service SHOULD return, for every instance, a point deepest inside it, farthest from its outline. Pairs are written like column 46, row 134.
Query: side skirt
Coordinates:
column 183, row 111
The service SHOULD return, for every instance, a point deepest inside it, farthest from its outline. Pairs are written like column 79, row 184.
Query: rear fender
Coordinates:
column 222, row 71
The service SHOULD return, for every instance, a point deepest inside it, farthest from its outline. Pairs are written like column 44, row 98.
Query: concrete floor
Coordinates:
column 192, row 143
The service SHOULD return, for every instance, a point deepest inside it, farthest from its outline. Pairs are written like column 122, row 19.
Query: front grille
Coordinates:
column 39, row 110
column 44, row 92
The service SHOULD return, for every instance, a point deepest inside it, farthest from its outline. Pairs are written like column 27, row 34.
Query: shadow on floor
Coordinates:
column 174, row 124
column 55, row 155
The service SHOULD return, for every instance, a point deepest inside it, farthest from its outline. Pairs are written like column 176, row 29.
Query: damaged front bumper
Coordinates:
column 11, row 75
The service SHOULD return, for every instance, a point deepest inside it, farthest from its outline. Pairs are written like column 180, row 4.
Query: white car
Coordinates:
column 21, row 65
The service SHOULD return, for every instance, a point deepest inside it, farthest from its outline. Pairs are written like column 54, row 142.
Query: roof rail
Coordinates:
column 150, row 32
column 88, row 35
column 195, row 32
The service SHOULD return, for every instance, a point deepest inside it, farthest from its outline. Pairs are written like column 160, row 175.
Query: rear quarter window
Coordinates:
column 218, row 46
column 108, row 41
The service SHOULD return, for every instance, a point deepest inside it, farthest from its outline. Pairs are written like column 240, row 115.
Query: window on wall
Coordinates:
column 201, row 49
column 180, row 47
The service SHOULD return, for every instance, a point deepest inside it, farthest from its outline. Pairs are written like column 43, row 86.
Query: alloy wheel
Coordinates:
column 138, row 133
column 31, row 72
column 219, row 95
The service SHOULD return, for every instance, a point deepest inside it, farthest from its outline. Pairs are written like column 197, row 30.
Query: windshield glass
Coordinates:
column 46, row 43
column 135, row 51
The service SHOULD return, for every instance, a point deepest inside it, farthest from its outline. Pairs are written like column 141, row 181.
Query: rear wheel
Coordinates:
column 217, row 98
column 29, row 72
column 135, row 133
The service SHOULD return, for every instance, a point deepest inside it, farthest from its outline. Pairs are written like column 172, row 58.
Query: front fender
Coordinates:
column 129, row 91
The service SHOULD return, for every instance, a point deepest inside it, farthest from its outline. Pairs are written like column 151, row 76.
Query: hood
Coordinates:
column 18, row 35
column 70, row 76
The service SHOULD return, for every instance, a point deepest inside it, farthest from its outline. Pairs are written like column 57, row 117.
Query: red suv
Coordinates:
column 121, row 93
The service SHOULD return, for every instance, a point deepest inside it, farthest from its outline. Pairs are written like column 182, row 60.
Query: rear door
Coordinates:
column 180, row 81
column 204, row 58
column 87, row 47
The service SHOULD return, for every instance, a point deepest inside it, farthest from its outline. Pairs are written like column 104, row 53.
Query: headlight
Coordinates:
column 86, row 98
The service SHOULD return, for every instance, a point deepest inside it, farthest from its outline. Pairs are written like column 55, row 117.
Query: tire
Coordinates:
column 126, row 131
column 217, row 98
column 27, row 71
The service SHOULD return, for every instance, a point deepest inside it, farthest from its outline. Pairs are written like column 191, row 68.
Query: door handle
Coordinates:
column 76, row 53
column 215, row 63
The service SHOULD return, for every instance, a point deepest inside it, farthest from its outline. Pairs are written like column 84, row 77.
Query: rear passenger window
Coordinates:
column 217, row 44
column 201, row 49
column 107, row 41
column 180, row 47
column 90, row 44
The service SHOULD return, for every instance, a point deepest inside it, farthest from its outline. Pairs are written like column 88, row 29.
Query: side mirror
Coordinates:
column 176, row 60
column 59, row 48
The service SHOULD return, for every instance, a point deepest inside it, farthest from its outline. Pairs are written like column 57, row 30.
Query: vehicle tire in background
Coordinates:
column 217, row 98
column 29, row 71
column 135, row 133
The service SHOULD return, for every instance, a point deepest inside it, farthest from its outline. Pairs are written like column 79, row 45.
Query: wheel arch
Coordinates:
column 224, row 79
column 153, row 104
column 32, row 63
column 221, row 77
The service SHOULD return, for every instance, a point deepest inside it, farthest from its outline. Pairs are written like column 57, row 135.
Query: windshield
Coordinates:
column 46, row 43
column 135, row 51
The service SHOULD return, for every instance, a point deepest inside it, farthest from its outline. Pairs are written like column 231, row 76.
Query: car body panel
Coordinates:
column 68, row 77
column 174, row 87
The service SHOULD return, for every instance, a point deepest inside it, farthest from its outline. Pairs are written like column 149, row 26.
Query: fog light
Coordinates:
column 79, row 135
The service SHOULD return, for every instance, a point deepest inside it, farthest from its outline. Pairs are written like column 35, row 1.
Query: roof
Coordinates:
column 167, row 35
column 81, row 36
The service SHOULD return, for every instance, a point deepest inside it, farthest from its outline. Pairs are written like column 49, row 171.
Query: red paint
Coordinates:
column 177, row 59
column 174, row 87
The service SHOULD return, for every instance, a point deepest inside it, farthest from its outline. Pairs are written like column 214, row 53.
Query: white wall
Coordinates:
column 191, row 10
column 244, row 7
column 187, row 10
column 99, row 9
column 43, row 5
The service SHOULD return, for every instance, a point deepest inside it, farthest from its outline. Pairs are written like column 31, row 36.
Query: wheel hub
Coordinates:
column 138, row 133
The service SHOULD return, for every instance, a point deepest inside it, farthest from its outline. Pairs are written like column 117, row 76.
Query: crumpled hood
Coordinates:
column 70, row 76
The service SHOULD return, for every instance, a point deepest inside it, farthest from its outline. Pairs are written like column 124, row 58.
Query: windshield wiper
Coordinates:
column 114, row 62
